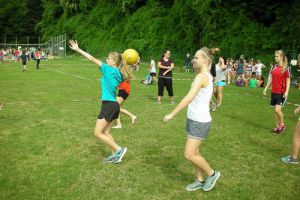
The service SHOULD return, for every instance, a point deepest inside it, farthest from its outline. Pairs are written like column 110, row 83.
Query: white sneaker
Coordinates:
column 117, row 126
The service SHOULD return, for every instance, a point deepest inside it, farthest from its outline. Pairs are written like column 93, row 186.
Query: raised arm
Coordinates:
column 74, row 46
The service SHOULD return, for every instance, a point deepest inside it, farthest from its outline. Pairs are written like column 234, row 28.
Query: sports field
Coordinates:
column 48, row 150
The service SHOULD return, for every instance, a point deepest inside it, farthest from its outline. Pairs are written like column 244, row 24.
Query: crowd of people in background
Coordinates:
column 14, row 55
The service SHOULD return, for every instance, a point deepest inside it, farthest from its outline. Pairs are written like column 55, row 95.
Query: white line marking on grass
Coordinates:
column 76, row 76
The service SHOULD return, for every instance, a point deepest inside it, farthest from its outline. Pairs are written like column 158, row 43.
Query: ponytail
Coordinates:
column 209, row 53
column 122, row 65
column 284, row 60
column 126, row 70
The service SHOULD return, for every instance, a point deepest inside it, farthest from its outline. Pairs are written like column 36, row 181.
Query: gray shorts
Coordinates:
column 197, row 130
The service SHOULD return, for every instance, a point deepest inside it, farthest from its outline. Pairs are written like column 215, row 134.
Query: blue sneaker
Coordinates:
column 289, row 159
column 194, row 186
column 110, row 158
column 211, row 181
column 119, row 155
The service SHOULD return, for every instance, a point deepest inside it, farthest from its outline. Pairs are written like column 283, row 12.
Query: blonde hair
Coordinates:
column 126, row 70
column 284, row 60
column 209, row 53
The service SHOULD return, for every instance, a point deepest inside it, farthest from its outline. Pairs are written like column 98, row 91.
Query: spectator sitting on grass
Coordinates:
column 261, row 82
column 253, row 81
column 240, row 81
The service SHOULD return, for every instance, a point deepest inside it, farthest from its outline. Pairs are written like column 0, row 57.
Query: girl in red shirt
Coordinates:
column 279, row 79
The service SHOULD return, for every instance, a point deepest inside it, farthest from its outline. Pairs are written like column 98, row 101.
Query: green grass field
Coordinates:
column 48, row 150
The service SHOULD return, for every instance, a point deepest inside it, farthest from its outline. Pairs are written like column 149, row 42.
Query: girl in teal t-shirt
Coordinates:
column 113, row 73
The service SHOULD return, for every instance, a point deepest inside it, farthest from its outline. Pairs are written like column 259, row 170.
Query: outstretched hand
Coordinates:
column 168, row 117
column 73, row 45
column 297, row 110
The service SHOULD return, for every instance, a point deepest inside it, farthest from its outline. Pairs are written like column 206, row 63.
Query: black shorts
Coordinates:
column 109, row 111
column 123, row 94
column 152, row 74
column 23, row 62
column 277, row 99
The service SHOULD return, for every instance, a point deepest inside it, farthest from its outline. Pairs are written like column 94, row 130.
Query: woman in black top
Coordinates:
column 165, row 65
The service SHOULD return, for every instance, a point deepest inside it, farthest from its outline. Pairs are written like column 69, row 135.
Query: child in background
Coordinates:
column 24, row 60
column 253, row 81
column 124, row 91
column 240, row 81
column 152, row 69
column 261, row 82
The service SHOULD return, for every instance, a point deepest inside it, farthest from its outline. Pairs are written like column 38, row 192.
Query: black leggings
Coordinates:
column 165, row 82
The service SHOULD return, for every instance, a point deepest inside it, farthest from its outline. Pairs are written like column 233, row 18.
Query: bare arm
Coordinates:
column 74, row 46
column 201, row 81
column 162, row 67
column 297, row 110
column 170, row 69
column 288, row 83
column 268, row 85
column 224, row 66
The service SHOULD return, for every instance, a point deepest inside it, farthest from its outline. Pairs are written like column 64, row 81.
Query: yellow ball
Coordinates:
column 131, row 56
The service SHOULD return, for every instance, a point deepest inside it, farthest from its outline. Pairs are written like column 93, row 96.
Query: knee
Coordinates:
column 98, row 133
column 188, row 156
column 277, row 110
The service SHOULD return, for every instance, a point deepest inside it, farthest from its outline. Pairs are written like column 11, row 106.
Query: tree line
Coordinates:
column 252, row 28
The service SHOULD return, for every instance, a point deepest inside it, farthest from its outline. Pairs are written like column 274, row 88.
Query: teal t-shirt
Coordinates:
column 111, row 79
column 252, row 83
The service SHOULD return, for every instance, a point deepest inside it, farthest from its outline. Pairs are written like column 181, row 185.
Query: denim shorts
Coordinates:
column 197, row 130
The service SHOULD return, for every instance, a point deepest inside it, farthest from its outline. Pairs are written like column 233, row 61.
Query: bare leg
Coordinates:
column 191, row 154
column 296, row 141
column 102, row 131
column 279, row 114
column 159, row 98
column 220, row 95
column 132, row 116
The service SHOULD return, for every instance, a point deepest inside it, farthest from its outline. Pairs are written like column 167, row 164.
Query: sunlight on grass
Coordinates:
column 48, row 150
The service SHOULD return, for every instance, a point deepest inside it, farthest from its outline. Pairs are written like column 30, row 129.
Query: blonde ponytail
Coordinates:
column 284, row 60
column 126, row 70
column 209, row 53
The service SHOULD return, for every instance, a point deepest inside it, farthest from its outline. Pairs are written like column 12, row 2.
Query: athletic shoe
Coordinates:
column 275, row 129
column 194, row 186
column 280, row 129
column 117, row 126
column 211, row 181
column 158, row 102
column 289, row 159
column 172, row 102
column 110, row 158
column 119, row 155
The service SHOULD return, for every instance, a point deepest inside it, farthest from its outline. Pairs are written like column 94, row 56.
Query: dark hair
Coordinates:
column 165, row 51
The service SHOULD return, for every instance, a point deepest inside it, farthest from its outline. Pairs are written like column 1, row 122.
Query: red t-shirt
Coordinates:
column 37, row 55
column 124, row 86
column 279, row 79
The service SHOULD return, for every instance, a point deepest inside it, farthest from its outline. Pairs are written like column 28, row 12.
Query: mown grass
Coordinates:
column 48, row 150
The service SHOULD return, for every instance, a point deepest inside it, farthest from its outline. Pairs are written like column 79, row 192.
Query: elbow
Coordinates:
column 188, row 100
